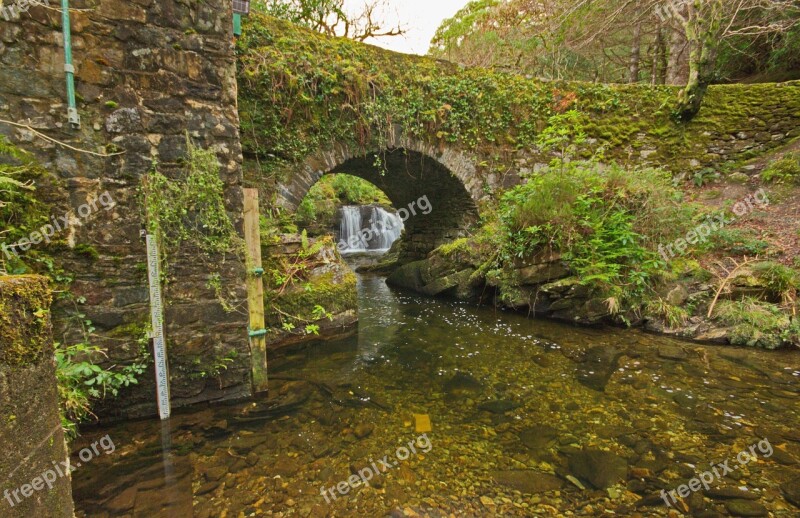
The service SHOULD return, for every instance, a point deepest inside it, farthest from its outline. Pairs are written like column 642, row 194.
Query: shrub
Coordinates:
column 784, row 170
column 606, row 221
column 756, row 324
column 779, row 279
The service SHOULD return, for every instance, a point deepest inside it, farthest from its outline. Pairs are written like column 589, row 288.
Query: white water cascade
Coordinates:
column 377, row 232
column 389, row 227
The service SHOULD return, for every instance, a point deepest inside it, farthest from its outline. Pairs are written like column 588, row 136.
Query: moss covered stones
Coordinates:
column 24, row 319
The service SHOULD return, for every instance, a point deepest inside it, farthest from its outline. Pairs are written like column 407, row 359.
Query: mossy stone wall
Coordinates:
column 306, row 99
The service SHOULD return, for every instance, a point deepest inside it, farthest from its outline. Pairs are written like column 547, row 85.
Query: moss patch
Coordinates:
column 336, row 296
column 24, row 320
column 301, row 92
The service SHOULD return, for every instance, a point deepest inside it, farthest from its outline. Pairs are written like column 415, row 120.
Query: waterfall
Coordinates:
column 350, row 226
column 368, row 228
column 388, row 226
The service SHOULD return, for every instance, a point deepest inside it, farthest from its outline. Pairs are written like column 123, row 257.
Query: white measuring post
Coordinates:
column 157, row 323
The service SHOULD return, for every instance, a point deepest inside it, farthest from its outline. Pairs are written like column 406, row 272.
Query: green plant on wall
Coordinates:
column 188, row 214
column 289, row 273
column 20, row 211
column 82, row 380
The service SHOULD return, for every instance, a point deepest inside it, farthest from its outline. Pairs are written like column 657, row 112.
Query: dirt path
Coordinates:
column 777, row 223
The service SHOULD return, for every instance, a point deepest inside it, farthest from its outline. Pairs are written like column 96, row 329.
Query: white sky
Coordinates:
column 420, row 17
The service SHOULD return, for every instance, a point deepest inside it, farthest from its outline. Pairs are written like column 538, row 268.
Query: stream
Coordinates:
column 445, row 408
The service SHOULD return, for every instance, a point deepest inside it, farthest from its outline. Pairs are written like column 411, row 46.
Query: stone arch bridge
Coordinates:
column 408, row 171
column 282, row 98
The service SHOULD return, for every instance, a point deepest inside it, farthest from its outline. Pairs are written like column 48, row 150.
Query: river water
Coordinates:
column 527, row 418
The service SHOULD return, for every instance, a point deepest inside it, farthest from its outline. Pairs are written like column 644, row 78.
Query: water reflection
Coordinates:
column 524, row 414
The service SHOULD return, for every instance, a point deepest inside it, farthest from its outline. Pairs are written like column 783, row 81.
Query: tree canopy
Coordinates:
column 679, row 42
column 332, row 18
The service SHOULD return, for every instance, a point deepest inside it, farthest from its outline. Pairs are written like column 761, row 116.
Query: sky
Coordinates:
column 420, row 17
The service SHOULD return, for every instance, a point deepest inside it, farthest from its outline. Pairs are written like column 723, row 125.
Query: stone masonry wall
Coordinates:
column 147, row 73
column 30, row 427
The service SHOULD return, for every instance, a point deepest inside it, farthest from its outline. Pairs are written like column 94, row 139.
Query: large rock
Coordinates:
column 600, row 468
column 791, row 490
column 538, row 437
column 540, row 273
column 599, row 365
column 461, row 386
column 408, row 276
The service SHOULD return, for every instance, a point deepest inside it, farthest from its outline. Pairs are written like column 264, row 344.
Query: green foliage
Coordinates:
column 214, row 367
column 20, row 211
column 190, row 211
column 674, row 316
column 295, row 296
column 606, row 222
column 757, row 324
column 564, row 134
column 82, row 380
column 301, row 93
column 784, row 170
column 738, row 242
column 352, row 190
column 779, row 279
column 704, row 176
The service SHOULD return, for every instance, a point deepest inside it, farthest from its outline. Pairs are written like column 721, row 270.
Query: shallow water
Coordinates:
column 519, row 411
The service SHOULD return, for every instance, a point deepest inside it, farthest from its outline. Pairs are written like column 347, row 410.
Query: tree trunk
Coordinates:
column 677, row 67
column 703, row 33
column 636, row 55
column 660, row 64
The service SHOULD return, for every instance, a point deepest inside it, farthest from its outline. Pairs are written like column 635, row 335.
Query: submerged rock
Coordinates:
column 539, row 437
column 462, row 386
column 730, row 493
column 791, row 490
column 746, row 508
column 598, row 366
column 600, row 468
column 527, row 481
column 669, row 352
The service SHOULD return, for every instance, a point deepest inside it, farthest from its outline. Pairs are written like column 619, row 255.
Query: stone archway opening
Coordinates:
column 433, row 202
column 359, row 216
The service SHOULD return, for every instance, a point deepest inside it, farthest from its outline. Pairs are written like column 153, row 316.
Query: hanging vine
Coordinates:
column 187, row 215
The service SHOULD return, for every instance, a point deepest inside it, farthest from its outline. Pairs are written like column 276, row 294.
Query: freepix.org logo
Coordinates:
column 13, row 10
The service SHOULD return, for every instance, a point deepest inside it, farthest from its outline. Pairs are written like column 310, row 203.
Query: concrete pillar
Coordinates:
column 34, row 477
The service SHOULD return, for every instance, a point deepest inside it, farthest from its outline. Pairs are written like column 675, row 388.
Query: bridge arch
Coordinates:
column 439, row 188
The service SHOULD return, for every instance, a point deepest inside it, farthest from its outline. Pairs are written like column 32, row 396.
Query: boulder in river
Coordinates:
column 599, row 364
column 462, row 386
column 791, row 490
column 746, row 508
column 538, row 437
column 600, row 468
column 498, row 406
